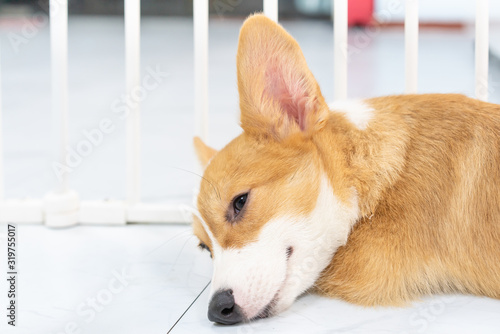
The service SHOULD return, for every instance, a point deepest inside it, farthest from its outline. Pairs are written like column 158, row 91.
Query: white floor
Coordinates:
column 71, row 280
column 140, row 279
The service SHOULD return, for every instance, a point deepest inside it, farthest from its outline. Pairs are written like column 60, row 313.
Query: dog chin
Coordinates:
column 282, row 300
column 266, row 312
column 277, row 305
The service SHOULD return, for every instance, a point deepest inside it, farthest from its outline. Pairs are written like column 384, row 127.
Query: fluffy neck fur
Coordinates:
column 369, row 160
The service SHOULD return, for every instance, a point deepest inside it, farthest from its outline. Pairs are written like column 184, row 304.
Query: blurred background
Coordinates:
column 97, row 80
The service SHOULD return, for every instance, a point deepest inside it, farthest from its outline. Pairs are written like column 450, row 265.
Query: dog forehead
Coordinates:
column 280, row 178
column 244, row 163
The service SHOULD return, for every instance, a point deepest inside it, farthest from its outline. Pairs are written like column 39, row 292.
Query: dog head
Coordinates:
column 268, row 212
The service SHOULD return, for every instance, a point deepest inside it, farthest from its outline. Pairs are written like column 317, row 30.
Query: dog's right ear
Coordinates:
column 203, row 151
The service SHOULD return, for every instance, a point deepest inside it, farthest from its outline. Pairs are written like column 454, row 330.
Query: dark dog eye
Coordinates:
column 205, row 247
column 239, row 203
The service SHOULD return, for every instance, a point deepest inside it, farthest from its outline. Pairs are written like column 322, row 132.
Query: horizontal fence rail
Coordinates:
column 62, row 206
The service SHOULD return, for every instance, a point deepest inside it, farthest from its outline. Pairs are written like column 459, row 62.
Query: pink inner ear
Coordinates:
column 288, row 89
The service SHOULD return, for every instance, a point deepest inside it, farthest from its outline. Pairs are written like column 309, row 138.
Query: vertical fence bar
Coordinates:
column 411, row 46
column 59, row 65
column 340, row 49
column 132, row 73
column 271, row 9
column 200, row 22
column 61, row 206
column 482, row 49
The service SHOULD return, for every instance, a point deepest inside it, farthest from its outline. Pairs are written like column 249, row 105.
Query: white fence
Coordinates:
column 62, row 206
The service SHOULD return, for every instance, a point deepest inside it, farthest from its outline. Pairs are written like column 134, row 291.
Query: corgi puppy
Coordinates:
column 376, row 202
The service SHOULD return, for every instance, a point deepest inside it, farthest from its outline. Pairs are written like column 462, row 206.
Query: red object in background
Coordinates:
column 359, row 12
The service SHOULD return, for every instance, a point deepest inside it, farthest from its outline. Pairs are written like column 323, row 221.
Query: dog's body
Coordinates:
column 428, row 169
column 377, row 202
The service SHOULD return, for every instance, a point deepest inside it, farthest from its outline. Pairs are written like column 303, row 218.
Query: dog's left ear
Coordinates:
column 278, row 93
column 203, row 151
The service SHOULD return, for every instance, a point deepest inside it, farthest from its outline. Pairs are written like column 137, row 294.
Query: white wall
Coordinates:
column 435, row 10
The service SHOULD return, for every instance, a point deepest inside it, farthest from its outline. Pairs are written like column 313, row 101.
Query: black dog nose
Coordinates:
column 222, row 308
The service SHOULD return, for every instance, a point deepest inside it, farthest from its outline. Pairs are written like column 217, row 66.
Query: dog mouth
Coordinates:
column 267, row 311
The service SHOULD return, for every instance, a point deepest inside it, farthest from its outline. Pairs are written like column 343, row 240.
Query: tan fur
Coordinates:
column 433, row 195
column 426, row 170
